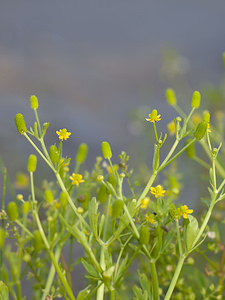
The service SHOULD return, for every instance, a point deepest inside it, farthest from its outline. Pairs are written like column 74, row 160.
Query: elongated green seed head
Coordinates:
column 26, row 207
column 20, row 123
column 200, row 130
column 49, row 196
column 106, row 150
column 196, row 99
column 32, row 163
column 63, row 199
column 12, row 211
column 117, row 208
column 144, row 235
column 53, row 153
column 34, row 102
column 190, row 151
column 171, row 97
column 206, row 116
column 82, row 153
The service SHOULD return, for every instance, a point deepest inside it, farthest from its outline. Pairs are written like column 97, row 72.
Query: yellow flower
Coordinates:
column 63, row 134
column 157, row 191
column 76, row 179
column 153, row 116
column 144, row 202
column 208, row 128
column 184, row 211
column 150, row 218
column 80, row 210
column 171, row 128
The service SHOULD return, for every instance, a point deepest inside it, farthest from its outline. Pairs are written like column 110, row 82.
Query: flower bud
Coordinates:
column 117, row 208
column 171, row 97
column 63, row 199
column 144, row 235
column 49, row 196
column 33, row 102
column 206, row 116
column 196, row 99
column 190, row 151
column 32, row 163
column 53, row 153
column 12, row 211
column 20, row 123
column 200, row 130
column 26, row 207
column 82, row 153
column 106, row 150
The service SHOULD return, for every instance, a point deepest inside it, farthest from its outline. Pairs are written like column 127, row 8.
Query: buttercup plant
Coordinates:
column 115, row 227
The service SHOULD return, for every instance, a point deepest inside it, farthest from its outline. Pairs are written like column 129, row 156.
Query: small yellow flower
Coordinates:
column 80, row 210
column 150, row 218
column 171, row 128
column 76, row 179
column 63, row 134
column 144, row 202
column 153, row 116
column 184, row 211
column 208, row 128
column 157, row 191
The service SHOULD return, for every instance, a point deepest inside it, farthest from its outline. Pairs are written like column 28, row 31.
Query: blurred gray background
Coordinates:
column 91, row 63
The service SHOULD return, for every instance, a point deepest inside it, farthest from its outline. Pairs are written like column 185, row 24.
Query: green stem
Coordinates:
column 201, row 162
column 147, row 187
column 3, row 222
column 156, row 134
column 155, row 287
column 179, row 239
column 52, row 257
column 164, row 164
column 51, row 274
column 175, row 277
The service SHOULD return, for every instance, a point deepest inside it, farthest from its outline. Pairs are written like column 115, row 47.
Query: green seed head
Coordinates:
column 106, row 150
column 174, row 213
column 206, row 116
column 33, row 102
column 2, row 237
column 190, row 151
column 37, row 241
column 20, row 124
column 144, row 235
column 32, row 163
column 82, row 153
column 26, row 207
column 196, row 99
column 12, row 211
column 53, row 153
column 171, row 97
column 63, row 199
column 117, row 208
column 49, row 196
column 200, row 130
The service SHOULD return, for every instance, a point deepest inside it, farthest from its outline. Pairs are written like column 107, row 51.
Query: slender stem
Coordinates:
column 55, row 263
column 170, row 153
column 155, row 286
column 179, row 239
column 156, row 134
column 3, row 222
column 39, row 151
column 163, row 165
column 147, row 187
column 51, row 274
column 175, row 277
column 24, row 228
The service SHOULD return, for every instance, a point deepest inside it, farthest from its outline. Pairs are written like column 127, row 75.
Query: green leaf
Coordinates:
column 90, row 269
column 4, row 293
column 191, row 232
column 144, row 281
column 139, row 295
column 84, row 293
